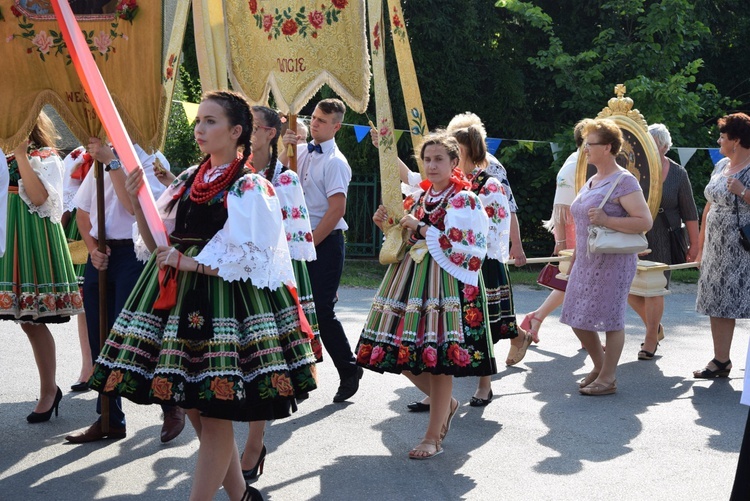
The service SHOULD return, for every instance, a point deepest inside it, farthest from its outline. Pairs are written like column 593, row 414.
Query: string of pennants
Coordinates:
column 493, row 143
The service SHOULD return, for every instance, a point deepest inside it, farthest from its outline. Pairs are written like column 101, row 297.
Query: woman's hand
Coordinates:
column 374, row 136
column 598, row 216
column 380, row 216
column 167, row 256
column 735, row 186
column 133, row 184
column 692, row 254
column 409, row 222
column 21, row 149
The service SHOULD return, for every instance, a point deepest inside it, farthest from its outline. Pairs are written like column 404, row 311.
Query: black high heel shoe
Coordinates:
column 257, row 470
column 252, row 494
column 40, row 417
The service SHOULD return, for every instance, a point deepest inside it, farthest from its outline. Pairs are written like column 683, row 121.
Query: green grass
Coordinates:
column 368, row 273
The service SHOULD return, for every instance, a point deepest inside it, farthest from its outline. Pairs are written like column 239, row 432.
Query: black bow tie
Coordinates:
column 314, row 147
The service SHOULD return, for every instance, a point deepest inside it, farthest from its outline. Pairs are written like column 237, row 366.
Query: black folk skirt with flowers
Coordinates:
column 502, row 313
column 229, row 349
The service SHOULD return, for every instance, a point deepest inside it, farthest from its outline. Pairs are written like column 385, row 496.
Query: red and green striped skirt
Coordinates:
column 304, row 291
column 229, row 349
column 37, row 281
column 425, row 320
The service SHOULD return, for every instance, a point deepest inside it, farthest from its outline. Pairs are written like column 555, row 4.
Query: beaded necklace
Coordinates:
column 202, row 191
column 448, row 192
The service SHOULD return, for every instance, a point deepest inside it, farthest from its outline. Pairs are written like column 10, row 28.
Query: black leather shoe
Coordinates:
column 79, row 386
column 418, row 407
column 348, row 386
column 481, row 402
column 174, row 422
column 94, row 433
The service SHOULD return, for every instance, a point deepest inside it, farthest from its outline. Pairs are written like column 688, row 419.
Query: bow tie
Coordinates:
column 314, row 147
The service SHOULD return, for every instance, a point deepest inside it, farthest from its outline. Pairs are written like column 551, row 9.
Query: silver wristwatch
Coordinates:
column 113, row 165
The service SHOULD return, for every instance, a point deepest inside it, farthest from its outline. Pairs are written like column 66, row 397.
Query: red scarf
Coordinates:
column 457, row 179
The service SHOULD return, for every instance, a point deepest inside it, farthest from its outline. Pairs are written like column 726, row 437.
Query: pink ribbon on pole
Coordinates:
column 105, row 109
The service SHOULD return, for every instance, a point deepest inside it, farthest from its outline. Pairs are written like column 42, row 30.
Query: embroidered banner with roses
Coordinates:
column 126, row 39
column 293, row 47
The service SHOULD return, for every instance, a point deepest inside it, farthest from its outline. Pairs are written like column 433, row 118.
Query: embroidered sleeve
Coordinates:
column 296, row 218
column 70, row 184
column 462, row 246
column 49, row 169
column 496, row 170
column 492, row 196
column 252, row 244
column 163, row 198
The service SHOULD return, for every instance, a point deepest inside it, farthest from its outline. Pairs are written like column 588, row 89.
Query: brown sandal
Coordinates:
column 590, row 378
column 597, row 389
column 424, row 448
column 515, row 355
column 447, row 426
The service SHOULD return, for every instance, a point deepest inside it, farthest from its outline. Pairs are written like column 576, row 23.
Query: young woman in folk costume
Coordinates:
column 267, row 127
column 37, row 282
column 232, row 348
column 429, row 318
column 492, row 193
column 77, row 164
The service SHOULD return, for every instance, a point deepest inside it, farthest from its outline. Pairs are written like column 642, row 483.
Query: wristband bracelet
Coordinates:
column 560, row 241
column 742, row 195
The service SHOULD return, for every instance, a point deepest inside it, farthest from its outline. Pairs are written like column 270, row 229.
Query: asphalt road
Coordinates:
column 663, row 436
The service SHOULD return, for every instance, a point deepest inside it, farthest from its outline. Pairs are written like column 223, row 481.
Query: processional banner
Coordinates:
column 125, row 38
column 293, row 47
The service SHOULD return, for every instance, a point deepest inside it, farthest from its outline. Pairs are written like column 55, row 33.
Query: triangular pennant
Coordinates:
column 397, row 134
column 191, row 110
column 493, row 144
column 529, row 145
column 361, row 131
column 555, row 149
column 715, row 155
column 685, row 155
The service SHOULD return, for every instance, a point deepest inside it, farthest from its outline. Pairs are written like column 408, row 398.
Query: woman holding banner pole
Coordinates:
column 228, row 343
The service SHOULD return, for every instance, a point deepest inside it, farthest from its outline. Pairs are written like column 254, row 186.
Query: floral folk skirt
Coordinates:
column 424, row 320
column 502, row 313
column 229, row 349
column 304, row 291
column 37, row 281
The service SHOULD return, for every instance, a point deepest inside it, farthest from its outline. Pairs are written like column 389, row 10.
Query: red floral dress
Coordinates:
column 429, row 313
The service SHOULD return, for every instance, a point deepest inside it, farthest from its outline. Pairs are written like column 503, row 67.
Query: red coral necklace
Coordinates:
column 202, row 191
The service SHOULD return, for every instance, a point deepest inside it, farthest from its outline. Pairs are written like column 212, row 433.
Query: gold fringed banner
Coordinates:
column 390, row 182
column 173, row 40
column 210, row 44
column 293, row 47
column 408, row 76
column 128, row 53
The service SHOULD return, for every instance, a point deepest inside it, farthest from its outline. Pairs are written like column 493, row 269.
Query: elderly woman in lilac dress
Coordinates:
column 598, row 286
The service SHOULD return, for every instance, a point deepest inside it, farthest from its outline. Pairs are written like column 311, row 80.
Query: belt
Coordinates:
column 125, row 242
column 336, row 232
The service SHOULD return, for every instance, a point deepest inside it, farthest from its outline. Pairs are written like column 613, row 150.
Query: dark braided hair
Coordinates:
column 237, row 110
column 272, row 119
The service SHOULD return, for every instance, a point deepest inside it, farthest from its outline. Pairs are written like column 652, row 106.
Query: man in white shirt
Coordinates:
column 325, row 175
column 123, row 270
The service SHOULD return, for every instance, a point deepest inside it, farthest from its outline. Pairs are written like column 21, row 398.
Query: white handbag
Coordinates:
column 603, row 240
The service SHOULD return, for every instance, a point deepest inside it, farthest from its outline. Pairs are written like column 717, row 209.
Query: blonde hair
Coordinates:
column 464, row 121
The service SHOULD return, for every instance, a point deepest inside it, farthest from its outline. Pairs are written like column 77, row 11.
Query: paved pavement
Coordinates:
column 663, row 436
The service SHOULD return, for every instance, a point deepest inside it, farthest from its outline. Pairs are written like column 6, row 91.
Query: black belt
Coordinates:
column 125, row 242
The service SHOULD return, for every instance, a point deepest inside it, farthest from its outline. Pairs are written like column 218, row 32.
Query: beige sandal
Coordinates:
column 424, row 449
column 515, row 355
column 447, row 426
column 590, row 378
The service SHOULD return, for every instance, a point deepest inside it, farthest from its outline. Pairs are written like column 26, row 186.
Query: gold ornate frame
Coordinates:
column 639, row 153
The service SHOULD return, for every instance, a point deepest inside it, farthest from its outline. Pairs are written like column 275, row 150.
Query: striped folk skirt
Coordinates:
column 37, row 281
column 502, row 313
column 304, row 290
column 229, row 349
column 424, row 320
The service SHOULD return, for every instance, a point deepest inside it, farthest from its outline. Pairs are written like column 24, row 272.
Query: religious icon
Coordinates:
column 639, row 154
